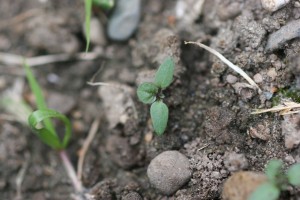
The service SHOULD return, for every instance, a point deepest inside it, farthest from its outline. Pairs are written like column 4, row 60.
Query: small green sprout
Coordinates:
column 151, row 93
column 40, row 122
column 105, row 4
column 277, row 181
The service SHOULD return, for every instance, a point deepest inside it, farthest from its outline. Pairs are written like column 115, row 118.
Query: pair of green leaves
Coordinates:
column 148, row 93
column 277, row 181
column 40, row 120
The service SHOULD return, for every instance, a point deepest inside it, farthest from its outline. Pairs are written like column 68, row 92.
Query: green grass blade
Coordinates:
column 36, row 121
column 105, row 4
column 88, row 14
column 37, row 91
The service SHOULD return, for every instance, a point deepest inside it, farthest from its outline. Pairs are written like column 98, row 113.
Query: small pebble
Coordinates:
column 288, row 32
column 231, row 79
column 273, row 5
column 235, row 162
column 124, row 19
column 97, row 34
column 258, row 78
column 291, row 131
column 169, row 171
column 272, row 73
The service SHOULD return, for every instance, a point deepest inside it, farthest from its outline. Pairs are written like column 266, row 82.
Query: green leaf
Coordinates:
column 164, row 74
column 88, row 14
column 38, row 94
column 36, row 121
column 105, row 4
column 146, row 92
column 266, row 191
column 293, row 175
column 273, row 170
column 159, row 115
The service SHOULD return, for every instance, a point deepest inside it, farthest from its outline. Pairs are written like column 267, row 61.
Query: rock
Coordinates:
column 250, row 32
column 97, row 34
column 288, row 32
column 291, row 130
column 235, row 162
column 187, row 11
column 124, row 19
column 258, row 78
column 116, row 103
column 273, row 5
column 169, row 171
column 231, row 79
column 132, row 196
column 228, row 10
column 260, row 130
column 241, row 184
column 272, row 73
column 244, row 90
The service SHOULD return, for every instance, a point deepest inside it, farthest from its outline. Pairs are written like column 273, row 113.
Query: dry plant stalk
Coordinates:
column 228, row 63
column 285, row 108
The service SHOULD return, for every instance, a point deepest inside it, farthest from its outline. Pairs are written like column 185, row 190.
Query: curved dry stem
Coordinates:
column 227, row 62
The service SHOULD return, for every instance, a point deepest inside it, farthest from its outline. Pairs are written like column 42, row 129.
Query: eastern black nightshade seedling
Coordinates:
column 151, row 93
column 277, row 181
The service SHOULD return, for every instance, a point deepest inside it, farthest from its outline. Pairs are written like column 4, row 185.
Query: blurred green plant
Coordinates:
column 151, row 93
column 277, row 181
column 104, row 4
column 40, row 121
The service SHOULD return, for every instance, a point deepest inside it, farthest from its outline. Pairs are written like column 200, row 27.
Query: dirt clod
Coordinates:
column 169, row 171
column 241, row 184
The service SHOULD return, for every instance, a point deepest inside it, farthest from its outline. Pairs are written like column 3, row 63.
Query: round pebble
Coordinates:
column 169, row 171
column 124, row 19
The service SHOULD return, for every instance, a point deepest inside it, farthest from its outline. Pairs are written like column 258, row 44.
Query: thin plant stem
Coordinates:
column 70, row 170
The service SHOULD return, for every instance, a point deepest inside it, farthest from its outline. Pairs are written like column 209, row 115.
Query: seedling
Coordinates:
column 152, row 93
column 40, row 122
column 105, row 4
column 277, row 181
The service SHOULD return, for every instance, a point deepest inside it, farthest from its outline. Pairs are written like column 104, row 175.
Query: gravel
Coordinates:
column 169, row 171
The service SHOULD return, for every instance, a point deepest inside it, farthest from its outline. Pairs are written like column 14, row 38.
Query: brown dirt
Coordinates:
column 209, row 122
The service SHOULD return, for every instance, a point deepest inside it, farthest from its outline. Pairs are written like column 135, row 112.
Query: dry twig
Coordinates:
column 82, row 152
column 227, row 62
column 12, row 59
column 285, row 108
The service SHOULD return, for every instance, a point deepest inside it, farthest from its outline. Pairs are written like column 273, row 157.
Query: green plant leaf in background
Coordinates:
column 38, row 94
column 266, row 191
column 164, row 74
column 146, row 92
column 273, row 170
column 88, row 14
column 36, row 121
column 105, row 4
column 159, row 115
column 293, row 175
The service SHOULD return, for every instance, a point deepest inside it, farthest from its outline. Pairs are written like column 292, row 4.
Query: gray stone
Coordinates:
column 286, row 33
column 124, row 19
column 169, row 171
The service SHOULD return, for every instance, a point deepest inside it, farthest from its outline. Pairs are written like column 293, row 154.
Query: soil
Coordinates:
column 210, row 105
